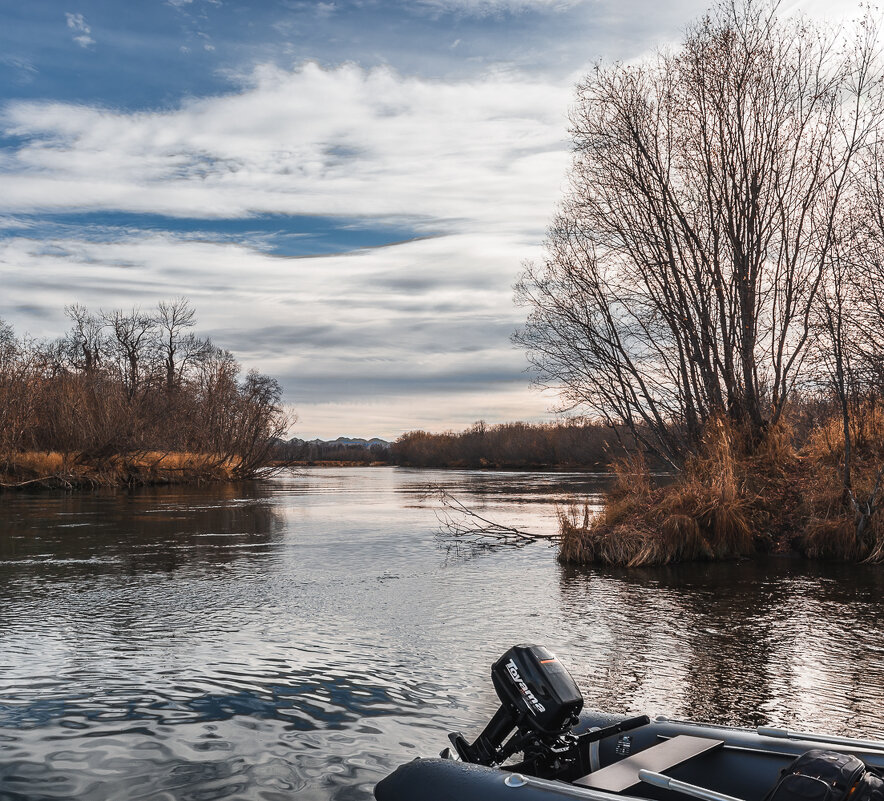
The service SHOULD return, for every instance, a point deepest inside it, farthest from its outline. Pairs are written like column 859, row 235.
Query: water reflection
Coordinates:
column 784, row 642
column 57, row 537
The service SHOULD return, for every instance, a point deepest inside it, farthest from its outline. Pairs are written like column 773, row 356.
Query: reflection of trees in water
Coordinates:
column 63, row 537
column 744, row 643
column 511, row 487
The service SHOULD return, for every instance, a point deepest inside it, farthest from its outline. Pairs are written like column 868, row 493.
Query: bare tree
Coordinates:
column 869, row 254
column 129, row 344
column 850, row 344
column 837, row 350
column 84, row 343
column 685, row 262
column 177, row 344
column 99, row 397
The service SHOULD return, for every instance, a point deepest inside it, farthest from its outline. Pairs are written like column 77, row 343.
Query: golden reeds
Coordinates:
column 52, row 468
column 733, row 500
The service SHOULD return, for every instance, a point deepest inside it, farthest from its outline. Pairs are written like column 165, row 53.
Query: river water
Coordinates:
column 300, row 637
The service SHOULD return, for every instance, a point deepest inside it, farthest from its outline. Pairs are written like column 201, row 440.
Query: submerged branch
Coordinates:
column 459, row 521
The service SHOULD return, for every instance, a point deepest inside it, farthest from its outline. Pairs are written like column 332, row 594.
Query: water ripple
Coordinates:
column 302, row 637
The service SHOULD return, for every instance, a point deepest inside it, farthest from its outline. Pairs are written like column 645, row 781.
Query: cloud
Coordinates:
column 24, row 70
column 438, row 326
column 484, row 8
column 77, row 23
column 481, row 161
column 490, row 151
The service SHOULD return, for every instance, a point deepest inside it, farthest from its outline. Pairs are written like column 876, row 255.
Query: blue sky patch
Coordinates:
column 274, row 234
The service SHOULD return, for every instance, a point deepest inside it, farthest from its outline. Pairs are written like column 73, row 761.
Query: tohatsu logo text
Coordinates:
column 520, row 683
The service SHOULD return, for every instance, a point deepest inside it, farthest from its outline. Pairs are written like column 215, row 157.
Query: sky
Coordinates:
column 345, row 191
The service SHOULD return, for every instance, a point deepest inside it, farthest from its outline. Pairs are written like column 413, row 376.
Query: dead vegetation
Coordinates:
column 461, row 523
column 130, row 398
column 729, row 502
column 715, row 272
column 53, row 470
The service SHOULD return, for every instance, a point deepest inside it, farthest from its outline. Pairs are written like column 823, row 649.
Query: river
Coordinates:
column 300, row 637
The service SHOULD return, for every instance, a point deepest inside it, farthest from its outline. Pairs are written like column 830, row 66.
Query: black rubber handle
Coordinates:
column 615, row 728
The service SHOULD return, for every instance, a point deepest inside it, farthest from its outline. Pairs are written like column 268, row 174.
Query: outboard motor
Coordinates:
column 540, row 702
column 538, row 699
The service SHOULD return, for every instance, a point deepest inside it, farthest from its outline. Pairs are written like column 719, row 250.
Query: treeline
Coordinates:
column 574, row 443
column 317, row 451
column 512, row 445
column 132, row 396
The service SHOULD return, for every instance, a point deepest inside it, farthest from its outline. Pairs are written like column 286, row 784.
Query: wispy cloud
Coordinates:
column 488, row 152
column 24, row 70
column 82, row 31
column 483, row 8
column 423, row 325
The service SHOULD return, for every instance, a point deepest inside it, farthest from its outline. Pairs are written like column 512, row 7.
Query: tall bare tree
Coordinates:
column 177, row 344
column 131, row 335
column 84, row 343
column 686, row 259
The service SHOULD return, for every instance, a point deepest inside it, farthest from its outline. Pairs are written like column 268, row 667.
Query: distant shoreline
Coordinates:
column 123, row 475
column 535, row 468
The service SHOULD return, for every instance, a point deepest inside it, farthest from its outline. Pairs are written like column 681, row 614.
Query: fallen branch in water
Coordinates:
column 52, row 481
column 459, row 521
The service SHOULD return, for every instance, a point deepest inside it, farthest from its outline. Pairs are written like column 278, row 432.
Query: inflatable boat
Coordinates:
column 541, row 745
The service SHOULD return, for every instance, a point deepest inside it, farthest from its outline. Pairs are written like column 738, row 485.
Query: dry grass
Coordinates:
column 588, row 541
column 832, row 538
column 728, row 502
column 826, row 442
column 715, row 495
column 831, row 528
column 630, row 491
column 184, row 461
column 36, row 468
column 37, row 463
column 876, row 554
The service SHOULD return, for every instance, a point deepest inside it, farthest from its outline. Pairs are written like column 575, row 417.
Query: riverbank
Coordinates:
column 132, row 398
column 73, row 471
column 728, row 504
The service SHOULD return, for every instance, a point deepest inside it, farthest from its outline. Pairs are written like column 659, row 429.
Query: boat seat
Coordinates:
column 623, row 774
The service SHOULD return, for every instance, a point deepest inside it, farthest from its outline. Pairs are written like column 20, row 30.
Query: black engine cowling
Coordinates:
column 539, row 699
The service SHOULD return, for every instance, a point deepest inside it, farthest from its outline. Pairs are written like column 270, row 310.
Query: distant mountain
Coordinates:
column 342, row 441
